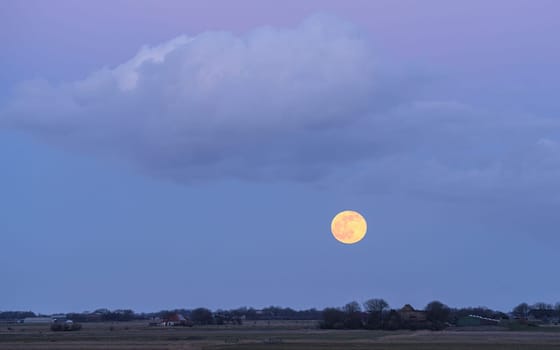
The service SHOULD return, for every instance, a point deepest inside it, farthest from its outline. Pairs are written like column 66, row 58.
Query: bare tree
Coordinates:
column 522, row 310
column 437, row 313
column 375, row 305
column 353, row 317
column 352, row 307
column 375, row 308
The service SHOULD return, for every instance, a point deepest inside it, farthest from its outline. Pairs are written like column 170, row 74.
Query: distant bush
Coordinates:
column 333, row 319
column 202, row 316
column 438, row 326
column 393, row 321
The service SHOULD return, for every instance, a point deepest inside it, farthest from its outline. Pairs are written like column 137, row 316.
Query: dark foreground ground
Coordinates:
column 275, row 336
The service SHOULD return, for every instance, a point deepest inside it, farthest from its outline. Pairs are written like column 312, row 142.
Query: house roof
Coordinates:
column 407, row 307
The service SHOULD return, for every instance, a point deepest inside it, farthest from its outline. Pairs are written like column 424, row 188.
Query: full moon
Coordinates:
column 349, row 227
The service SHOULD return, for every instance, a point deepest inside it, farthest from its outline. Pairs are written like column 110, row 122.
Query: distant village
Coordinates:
column 372, row 314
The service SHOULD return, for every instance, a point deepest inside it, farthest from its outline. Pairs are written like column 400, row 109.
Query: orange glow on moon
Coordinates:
column 349, row 227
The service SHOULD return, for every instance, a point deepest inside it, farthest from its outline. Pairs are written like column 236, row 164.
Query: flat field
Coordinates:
column 268, row 336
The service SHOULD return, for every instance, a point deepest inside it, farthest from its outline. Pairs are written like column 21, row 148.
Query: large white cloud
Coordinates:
column 301, row 104
column 215, row 105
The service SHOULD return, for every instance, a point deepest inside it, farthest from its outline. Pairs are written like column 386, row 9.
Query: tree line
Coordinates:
column 376, row 314
column 372, row 314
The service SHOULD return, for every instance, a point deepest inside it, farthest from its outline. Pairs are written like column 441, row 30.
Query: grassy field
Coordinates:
column 274, row 336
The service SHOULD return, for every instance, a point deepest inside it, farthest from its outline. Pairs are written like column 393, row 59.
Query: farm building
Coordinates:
column 409, row 314
column 37, row 320
column 474, row 320
column 172, row 320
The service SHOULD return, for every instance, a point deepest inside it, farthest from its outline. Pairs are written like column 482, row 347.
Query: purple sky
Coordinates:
column 209, row 144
